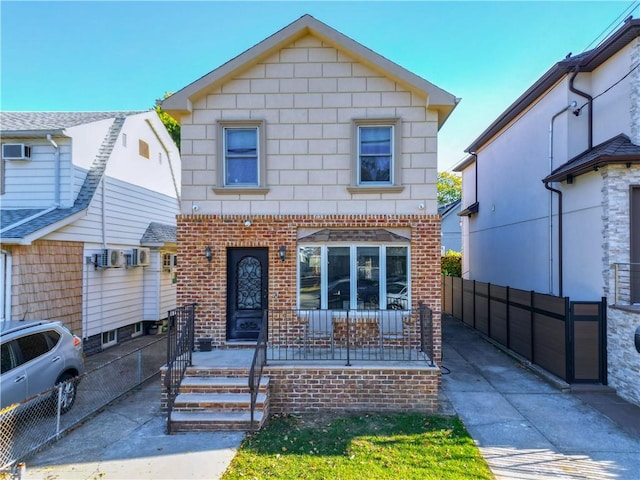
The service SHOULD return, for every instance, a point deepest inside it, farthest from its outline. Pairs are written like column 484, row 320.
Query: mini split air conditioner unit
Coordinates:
column 112, row 258
column 140, row 257
column 16, row 151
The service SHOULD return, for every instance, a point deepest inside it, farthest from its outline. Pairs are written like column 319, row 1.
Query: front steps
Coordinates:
column 209, row 401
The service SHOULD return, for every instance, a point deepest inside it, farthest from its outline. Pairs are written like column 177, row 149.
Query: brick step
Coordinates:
column 217, row 401
column 219, row 385
column 215, row 421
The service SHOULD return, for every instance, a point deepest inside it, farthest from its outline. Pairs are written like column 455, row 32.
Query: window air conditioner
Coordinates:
column 16, row 151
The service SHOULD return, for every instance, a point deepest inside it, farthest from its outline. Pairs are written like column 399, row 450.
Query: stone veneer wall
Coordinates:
column 204, row 282
column 47, row 282
column 623, row 359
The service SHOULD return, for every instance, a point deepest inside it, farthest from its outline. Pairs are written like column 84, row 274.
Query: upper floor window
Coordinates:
column 241, row 156
column 376, row 159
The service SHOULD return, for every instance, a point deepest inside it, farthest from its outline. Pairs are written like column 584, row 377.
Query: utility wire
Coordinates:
column 635, row 4
column 610, row 87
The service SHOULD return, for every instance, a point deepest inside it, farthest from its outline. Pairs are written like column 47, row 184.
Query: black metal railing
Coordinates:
column 257, row 366
column 426, row 332
column 350, row 335
column 180, row 346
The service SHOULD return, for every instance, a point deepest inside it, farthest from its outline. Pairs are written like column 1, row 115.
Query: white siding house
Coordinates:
column 95, row 182
column 549, row 187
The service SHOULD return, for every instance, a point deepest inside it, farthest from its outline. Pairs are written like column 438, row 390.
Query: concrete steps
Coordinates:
column 212, row 403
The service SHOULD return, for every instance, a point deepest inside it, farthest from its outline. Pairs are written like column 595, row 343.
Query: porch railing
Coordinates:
column 180, row 346
column 257, row 366
column 626, row 281
column 350, row 335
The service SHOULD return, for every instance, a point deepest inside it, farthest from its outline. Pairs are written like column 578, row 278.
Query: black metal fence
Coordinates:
column 566, row 338
column 350, row 335
column 180, row 346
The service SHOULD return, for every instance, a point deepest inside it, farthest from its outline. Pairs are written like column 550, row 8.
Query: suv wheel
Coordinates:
column 69, row 389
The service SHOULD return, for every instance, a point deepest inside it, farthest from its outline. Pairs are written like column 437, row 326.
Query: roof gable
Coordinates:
column 180, row 103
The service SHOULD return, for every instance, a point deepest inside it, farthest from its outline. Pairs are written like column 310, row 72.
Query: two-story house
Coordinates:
column 309, row 167
column 89, row 201
column 551, row 193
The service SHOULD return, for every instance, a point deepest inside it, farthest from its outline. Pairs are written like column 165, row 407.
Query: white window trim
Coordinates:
column 394, row 186
column 221, row 188
column 110, row 343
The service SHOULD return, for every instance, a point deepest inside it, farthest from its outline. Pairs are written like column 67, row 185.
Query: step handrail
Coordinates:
column 180, row 346
column 257, row 366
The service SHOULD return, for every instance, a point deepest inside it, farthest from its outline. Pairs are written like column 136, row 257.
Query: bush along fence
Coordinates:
column 566, row 338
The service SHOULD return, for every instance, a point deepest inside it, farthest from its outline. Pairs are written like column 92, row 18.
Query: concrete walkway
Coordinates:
column 525, row 427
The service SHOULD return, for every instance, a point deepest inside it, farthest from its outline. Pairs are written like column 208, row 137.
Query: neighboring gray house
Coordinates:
column 450, row 225
column 89, row 201
column 551, row 193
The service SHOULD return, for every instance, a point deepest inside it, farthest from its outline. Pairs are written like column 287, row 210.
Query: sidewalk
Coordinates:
column 528, row 429
column 127, row 440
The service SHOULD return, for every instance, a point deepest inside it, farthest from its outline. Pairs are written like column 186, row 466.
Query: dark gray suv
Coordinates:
column 35, row 356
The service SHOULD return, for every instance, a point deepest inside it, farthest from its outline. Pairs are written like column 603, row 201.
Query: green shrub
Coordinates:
column 451, row 264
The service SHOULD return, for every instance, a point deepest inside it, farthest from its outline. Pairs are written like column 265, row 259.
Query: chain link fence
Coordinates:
column 27, row 426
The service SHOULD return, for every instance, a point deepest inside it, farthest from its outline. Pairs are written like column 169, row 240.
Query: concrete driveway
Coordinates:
column 526, row 427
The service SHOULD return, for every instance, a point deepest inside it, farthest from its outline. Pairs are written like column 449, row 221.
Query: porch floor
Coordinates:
column 241, row 358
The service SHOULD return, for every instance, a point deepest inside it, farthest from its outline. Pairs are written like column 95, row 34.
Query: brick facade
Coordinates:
column 369, row 389
column 47, row 282
column 204, row 282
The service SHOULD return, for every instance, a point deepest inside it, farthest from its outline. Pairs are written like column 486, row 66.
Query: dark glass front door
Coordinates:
column 247, row 292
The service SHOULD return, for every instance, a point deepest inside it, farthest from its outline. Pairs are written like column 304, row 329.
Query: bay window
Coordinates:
column 353, row 277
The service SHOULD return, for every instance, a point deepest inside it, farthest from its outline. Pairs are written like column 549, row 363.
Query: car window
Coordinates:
column 52, row 337
column 8, row 360
column 32, row 346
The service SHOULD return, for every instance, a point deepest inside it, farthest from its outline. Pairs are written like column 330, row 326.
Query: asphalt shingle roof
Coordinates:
column 618, row 149
column 159, row 233
column 51, row 121
column 91, row 182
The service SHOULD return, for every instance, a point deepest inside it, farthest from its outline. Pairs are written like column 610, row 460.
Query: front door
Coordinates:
column 247, row 292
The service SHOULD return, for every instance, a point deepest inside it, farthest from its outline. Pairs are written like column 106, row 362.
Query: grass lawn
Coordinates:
column 376, row 446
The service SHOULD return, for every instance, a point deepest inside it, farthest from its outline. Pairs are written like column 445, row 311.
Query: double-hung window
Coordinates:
column 376, row 159
column 240, row 156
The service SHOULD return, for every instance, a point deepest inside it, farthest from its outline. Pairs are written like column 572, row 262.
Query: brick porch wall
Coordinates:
column 366, row 389
column 204, row 282
column 47, row 282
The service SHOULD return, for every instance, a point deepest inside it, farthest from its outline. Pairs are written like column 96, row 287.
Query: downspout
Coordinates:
column 572, row 105
column 546, row 185
column 589, row 98
column 57, row 169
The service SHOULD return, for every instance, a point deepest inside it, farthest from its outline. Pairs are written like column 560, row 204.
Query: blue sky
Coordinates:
column 122, row 55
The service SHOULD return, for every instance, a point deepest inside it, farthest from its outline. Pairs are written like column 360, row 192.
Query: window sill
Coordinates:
column 240, row 190
column 376, row 189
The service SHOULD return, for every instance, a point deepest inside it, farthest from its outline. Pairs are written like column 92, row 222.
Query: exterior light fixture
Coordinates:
column 282, row 253
column 208, row 254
